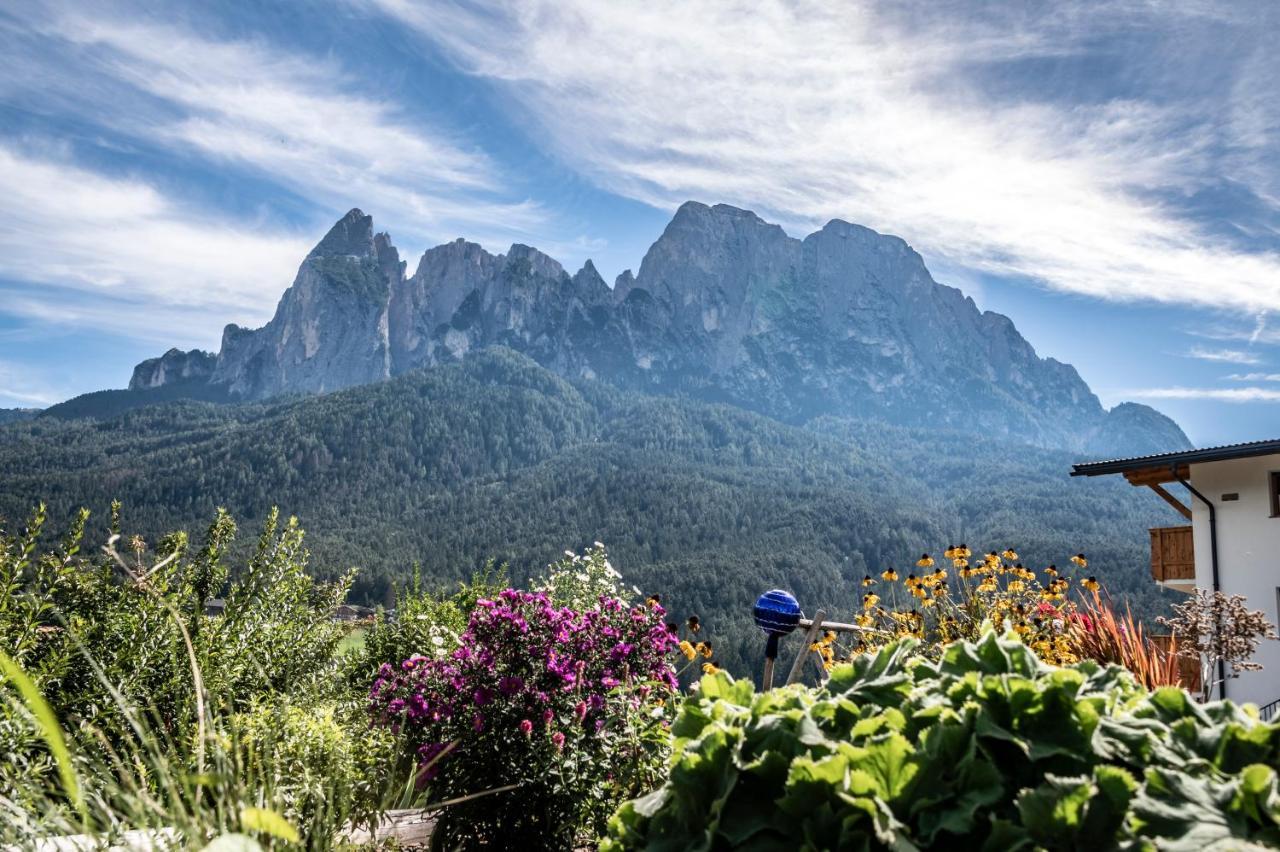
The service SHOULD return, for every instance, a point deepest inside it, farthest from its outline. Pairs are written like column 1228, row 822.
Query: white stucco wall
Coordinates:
column 1248, row 554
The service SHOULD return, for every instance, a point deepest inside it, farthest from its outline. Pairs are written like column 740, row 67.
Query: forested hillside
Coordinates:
column 498, row 458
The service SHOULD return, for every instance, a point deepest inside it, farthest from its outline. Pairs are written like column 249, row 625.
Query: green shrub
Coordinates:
column 987, row 748
column 112, row 638
column 322, row 766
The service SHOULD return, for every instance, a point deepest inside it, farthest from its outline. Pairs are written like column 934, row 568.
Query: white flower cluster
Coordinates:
column 579, row 580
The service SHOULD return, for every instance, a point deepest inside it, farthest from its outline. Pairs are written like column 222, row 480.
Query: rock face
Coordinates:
column 172, row 367
column 330, row 330
column 726, row 307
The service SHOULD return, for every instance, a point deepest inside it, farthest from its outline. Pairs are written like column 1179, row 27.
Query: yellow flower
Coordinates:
column 950, row 552
column 1010, row 554
column 890, row 575
column 1017, row 586
column 1079, row 559
column 960, row 562
column 1052, row 570
column 987, row 585
column 919, row 591
column 705, row 648
column 1091, row 584
column 925, row 561
column 927, row 602
column 868, row 581
column 940, row 590
column 863, row 620
column 688, row 650
column 709, row 668
column 964, row 552
column 869, row 600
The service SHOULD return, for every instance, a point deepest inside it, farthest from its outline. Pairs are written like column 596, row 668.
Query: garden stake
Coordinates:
column 810, row 636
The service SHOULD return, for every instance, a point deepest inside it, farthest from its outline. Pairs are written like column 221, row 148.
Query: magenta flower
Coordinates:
column 526, row 727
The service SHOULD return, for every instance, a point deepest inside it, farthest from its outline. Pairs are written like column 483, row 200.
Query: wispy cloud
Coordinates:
column 118, row 252
column 1223, row 356
column 300, row 121
column 1251, row 394
column 1254, row 377
column 809, row 110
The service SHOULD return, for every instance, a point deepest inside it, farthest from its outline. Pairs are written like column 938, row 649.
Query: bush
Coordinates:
column 985, row 748
column 566, row 706
column 117, row 643
column 323, row 770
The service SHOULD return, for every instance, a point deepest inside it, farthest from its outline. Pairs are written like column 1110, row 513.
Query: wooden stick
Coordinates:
column 766, row 682
column 835, row 626
column 810, row 635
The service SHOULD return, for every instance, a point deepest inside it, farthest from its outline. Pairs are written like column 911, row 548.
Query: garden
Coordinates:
column 964, row 702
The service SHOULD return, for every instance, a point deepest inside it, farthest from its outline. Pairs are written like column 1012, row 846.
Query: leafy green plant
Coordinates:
column 985, row 748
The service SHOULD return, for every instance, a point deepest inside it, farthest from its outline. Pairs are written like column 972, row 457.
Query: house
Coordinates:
column 1231, row 541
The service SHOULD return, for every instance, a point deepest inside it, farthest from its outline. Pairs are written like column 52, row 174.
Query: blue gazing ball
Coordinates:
column 777, row 612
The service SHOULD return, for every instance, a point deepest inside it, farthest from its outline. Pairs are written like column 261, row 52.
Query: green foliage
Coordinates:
column 125, row 705
column 96, row 634
column 987, row 748
column 424, row 623
column 323, row 766
column 497, row 458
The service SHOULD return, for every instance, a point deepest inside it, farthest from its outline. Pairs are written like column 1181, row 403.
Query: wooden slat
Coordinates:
column 1177, row 504
column 1156, row 475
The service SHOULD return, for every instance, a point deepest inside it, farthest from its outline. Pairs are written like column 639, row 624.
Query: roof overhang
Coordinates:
column 1170, row 467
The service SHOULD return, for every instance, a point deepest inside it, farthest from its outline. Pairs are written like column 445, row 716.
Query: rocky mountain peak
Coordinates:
column 350, row 235
column 726, row 306
column 589, row 285
column 534, row 262
column 173, row 367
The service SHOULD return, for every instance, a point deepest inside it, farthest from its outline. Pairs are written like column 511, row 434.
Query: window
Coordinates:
column 1274, row 491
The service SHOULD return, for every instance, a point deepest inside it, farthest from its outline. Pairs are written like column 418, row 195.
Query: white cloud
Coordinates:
column 116, row 252
column 286, row 116
column 807, row 110
column 1251, row 394
column 1254, row 377
column 1223, row 356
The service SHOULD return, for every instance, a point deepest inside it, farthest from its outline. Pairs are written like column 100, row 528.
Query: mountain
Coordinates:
column 725, row 308
column 499, row 457
column 12, row 415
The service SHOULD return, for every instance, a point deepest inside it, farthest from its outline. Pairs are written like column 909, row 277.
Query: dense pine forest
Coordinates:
column 498, row 459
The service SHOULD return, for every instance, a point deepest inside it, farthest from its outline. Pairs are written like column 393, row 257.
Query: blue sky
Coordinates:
column 1105, row 173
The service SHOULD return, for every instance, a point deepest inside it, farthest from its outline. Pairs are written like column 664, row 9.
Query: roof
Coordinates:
column 1179, row 458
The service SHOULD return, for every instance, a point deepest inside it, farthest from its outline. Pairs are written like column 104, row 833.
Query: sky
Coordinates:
column 1107, row 174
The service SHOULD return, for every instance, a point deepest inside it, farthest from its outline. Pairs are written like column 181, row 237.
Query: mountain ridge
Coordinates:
column 725, row 307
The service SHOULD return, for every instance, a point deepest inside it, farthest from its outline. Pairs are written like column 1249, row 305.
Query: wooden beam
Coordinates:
column 1177, row 504
column 1156, row 475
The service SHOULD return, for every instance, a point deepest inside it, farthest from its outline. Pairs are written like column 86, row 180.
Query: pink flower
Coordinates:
column 526, row 727
column 557, row 739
